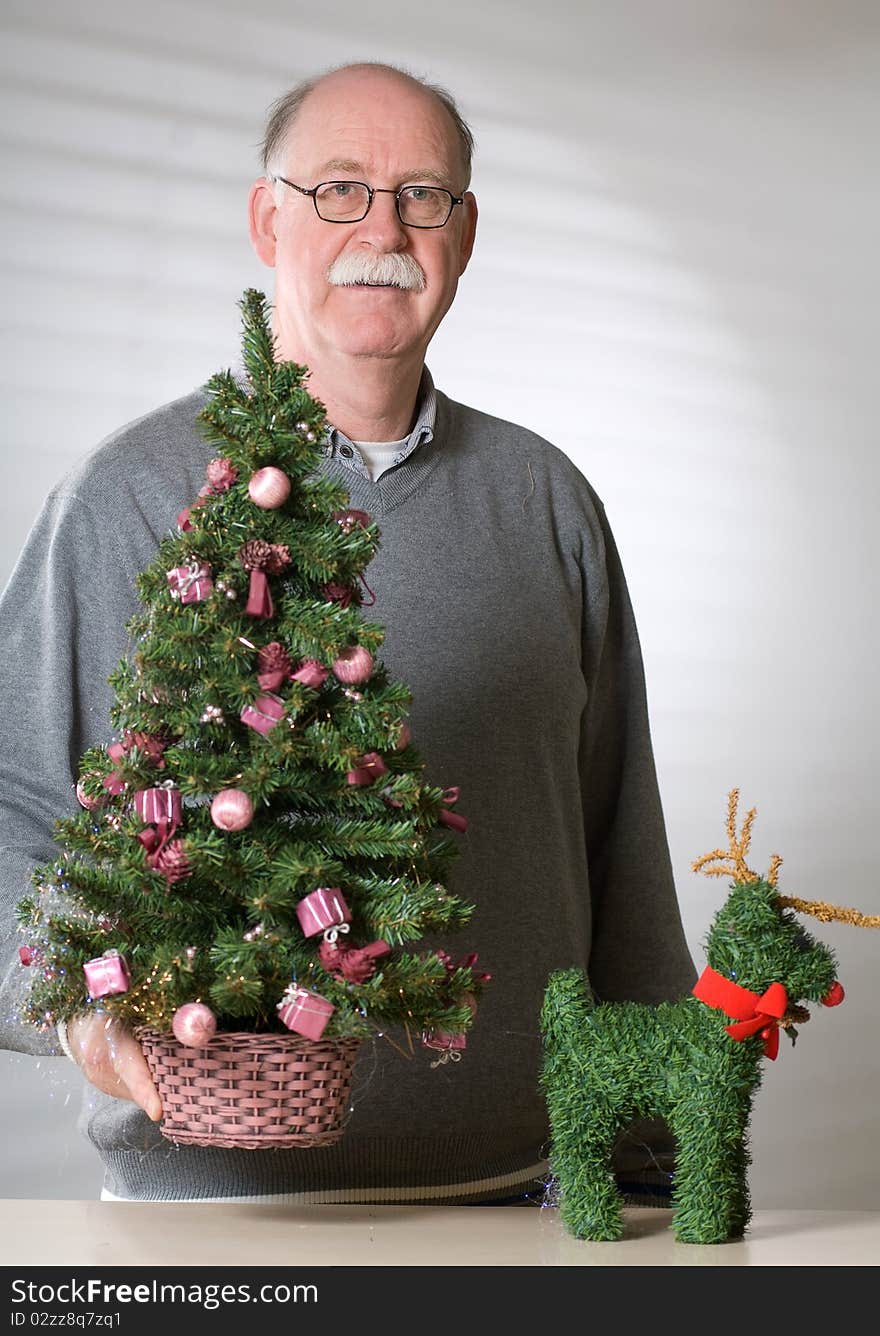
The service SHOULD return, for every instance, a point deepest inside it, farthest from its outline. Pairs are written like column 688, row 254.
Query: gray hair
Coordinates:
column 285, row 109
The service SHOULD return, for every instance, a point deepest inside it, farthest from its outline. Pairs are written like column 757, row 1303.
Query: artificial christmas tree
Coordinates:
column 258, row 847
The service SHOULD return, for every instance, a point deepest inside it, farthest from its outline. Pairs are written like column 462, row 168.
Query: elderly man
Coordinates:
column 506, row 613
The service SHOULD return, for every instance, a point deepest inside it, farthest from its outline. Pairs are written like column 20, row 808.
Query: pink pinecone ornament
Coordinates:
column 221, row 474
column 273, row 666
column 172, row 862
column 342, row 594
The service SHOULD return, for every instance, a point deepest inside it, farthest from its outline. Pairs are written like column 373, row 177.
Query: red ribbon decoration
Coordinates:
column 754, row 1012
column 311, row 673
column 453, row 819
column 154, row 839
column 369, row 591
column 259, row 602
column 368, row 769
column 114, row 782
column 357, row 964
column 466, row 963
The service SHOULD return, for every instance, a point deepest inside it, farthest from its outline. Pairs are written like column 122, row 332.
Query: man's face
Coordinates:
column 364, row 126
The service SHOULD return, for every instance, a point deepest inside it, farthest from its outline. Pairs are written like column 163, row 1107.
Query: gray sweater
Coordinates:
column 507, row 615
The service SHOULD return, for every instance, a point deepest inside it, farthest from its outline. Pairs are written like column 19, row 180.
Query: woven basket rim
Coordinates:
column 283, row 1037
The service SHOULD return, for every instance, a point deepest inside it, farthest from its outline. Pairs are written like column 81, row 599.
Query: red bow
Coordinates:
column 754, row 1012
column 452, row 819
column 155, row 838
column 466, row 963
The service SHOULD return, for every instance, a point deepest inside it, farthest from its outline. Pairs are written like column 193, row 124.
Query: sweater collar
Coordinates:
column 418, row 458
column 339, row 446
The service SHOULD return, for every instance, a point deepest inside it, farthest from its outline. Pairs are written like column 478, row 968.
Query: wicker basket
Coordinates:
column 251, row 1091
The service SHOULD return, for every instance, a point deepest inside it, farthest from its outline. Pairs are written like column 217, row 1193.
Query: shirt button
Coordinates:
column 347, row 451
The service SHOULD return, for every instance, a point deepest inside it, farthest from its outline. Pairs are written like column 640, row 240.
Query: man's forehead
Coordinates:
column 343, row 124
column 413, row 173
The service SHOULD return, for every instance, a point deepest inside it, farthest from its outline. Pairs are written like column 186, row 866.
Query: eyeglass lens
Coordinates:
column 348, row 201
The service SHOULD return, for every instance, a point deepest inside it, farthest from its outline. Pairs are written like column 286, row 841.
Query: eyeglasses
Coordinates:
column 350, row 201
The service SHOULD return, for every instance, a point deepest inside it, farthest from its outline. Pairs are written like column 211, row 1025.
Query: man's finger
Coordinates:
column 131, row 1067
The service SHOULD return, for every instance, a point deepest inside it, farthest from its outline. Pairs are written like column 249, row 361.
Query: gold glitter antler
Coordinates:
column 821, row 909
column 731, row 862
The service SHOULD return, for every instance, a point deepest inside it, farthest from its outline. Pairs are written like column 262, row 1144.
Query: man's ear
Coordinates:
column 261, row 218
column 468, row 230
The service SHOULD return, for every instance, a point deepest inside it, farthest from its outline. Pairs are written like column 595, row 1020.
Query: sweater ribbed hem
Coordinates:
column 502, row 1185
column 442, row 1171
column 535, row 1190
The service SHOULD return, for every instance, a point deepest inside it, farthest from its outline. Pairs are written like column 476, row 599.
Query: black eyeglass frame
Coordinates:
column 371, row 191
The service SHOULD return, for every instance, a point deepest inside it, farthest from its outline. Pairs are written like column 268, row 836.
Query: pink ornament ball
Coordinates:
column 232, row 810
column 404, row 737
column 90, row 804
column 194, row 1025
column 355, row 664
column 269, row 488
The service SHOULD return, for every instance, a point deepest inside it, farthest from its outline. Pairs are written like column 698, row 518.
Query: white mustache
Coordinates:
column 398, row 270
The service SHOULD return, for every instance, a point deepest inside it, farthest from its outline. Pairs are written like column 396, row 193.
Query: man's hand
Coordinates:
column 113, row 1060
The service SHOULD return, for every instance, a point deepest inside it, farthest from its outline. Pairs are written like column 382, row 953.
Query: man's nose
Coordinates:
column 382, row 226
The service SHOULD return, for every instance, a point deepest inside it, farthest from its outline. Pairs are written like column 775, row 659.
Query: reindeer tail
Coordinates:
column 568, row 1000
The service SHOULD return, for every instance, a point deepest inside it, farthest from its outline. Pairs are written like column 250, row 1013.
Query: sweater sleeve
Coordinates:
column 639, row 951
column 62, row 632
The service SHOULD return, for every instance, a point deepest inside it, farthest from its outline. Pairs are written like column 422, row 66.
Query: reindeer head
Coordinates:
column 756, row 941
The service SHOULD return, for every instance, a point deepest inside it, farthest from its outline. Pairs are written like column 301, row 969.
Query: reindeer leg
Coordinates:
column 580, row 1080
column 710, row 1195
column 584, row 1135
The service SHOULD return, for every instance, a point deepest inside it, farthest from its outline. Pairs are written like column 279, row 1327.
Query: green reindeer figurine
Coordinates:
column 696, row 1063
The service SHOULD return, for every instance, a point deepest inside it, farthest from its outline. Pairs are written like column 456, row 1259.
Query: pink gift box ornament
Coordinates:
column 159, row 804
column 304, row 1012
column 107, row 974
column 191, row 583
column 323, row 908
column 441, row 1039
column 264, row 714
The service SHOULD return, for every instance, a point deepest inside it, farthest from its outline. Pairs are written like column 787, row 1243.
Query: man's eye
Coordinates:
column 419, row 193
column 341, row 189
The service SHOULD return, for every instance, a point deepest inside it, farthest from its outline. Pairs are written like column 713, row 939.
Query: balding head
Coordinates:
column 284, row 112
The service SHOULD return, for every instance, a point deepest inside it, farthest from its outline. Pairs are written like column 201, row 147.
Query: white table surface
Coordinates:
column 94, row 1233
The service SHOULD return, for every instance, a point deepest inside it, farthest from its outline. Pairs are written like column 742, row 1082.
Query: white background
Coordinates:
column 675, row 281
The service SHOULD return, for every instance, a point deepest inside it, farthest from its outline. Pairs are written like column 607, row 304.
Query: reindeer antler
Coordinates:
column 737, row 849
column 821, row 909
column 741, row 872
